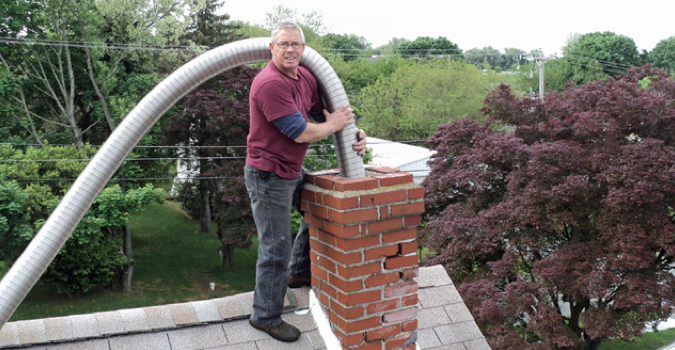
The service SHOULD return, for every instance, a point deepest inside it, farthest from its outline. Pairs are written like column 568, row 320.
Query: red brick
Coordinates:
column 400, row 289
column 344, row 285
column 415, row 193
column 354, row 216
column 381, row 306
column 326, row 264
column 400, row 261
column 343, row 230
column 344, row 258
column 351, row 299
column 384, row 212
column 328, row 289
column 383, row 332
column 409, row 300
column 340, row 203
column 400, row 315
column 356, row 271
column 397, row 341
column 324, row 237
column 382, row 279
column 389, row 197
column 319, row 272
column 356, row 243
column 349, row 340
column 380, row 252
column 361, row 184
column 360, row 325
column 366, row 200
column 410, row 273
column 407, row 247
column 384, row 225
column 348, row 313
column 308, row 195
column 395, row 179
column 375, row 345
column 414, row 220
column 381, row 170
column 410, row 347
column 407, row 209
column 313, row 221
column 304, row 206
column 318, row 211
column 323, row 299
column 409, row 326
column 324, row 181
column 399, row 236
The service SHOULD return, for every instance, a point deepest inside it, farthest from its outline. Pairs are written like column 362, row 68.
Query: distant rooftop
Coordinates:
column 401, row 156
column 444, row 323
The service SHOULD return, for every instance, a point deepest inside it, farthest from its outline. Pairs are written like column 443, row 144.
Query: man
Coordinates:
column 283, row 96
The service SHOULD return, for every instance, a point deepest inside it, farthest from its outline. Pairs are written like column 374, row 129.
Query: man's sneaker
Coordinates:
column 295, row 281
column 283, row 331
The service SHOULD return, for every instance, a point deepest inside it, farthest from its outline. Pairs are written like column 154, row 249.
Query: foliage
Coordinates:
column 561, row 232
column 215, row 120
column 92, row 256
column 595, row 55
column 663, row 55
column 347, row 46
column 415, row 99
column 358, row 73
column 428, row 47
column 16, row 229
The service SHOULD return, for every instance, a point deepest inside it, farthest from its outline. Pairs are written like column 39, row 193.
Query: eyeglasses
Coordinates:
column 285, row 45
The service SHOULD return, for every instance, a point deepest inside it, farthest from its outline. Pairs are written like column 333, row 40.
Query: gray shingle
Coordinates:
column 206, row 311
column 94, row 344
column 9, row 335
column 32, row 331
column 438, row 296
column 159, row 317
column 109, row 322
column 134, row 320
column 183, row 314
column 204, row 337
column 58, row 328
column 84, row 326
column 433, row 276
column 146, row 341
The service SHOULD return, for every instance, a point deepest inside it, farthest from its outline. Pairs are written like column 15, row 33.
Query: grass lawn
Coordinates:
column 174, row 262
column 648, row 341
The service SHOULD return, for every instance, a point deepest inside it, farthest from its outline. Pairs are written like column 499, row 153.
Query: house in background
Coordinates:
column 404, row 157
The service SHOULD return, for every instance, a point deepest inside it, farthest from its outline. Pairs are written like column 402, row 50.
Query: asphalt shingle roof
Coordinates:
column 444, row 323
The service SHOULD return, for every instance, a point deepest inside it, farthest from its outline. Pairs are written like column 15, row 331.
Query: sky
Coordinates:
column 524, row 25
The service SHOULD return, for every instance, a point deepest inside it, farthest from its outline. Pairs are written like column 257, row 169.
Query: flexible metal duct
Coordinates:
column 57, row 229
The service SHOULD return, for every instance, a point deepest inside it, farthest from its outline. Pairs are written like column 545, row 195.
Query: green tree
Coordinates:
column 487, row 54
column 663, row 55
column 428, row 47
column 414, row 100
column 596, row 55
column 347, row 46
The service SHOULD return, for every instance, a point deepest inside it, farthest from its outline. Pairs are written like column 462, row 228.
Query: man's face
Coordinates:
column 287, row 50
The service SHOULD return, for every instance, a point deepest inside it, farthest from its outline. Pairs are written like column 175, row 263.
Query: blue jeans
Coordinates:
column 272, row 199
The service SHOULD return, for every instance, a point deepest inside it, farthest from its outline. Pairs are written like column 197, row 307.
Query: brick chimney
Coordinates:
column 363, row 235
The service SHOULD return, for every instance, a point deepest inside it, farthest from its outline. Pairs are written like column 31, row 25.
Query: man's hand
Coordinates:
column 360, row 145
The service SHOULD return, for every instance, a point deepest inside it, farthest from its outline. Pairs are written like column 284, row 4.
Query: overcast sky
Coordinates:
column 526, row 25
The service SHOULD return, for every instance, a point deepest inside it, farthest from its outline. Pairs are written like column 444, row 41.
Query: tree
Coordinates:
column 347, row 46
column 561, row 232
column 595, row 55
column 100, row 247
column 487, row 54
column 427, row 47
column 215, row 122
column 415, row 99
column 663, row 55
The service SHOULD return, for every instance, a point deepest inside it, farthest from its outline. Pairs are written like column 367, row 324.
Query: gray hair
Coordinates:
column 287, row 25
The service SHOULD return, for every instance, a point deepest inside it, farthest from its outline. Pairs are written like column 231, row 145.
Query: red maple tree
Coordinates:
column 557, row 218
